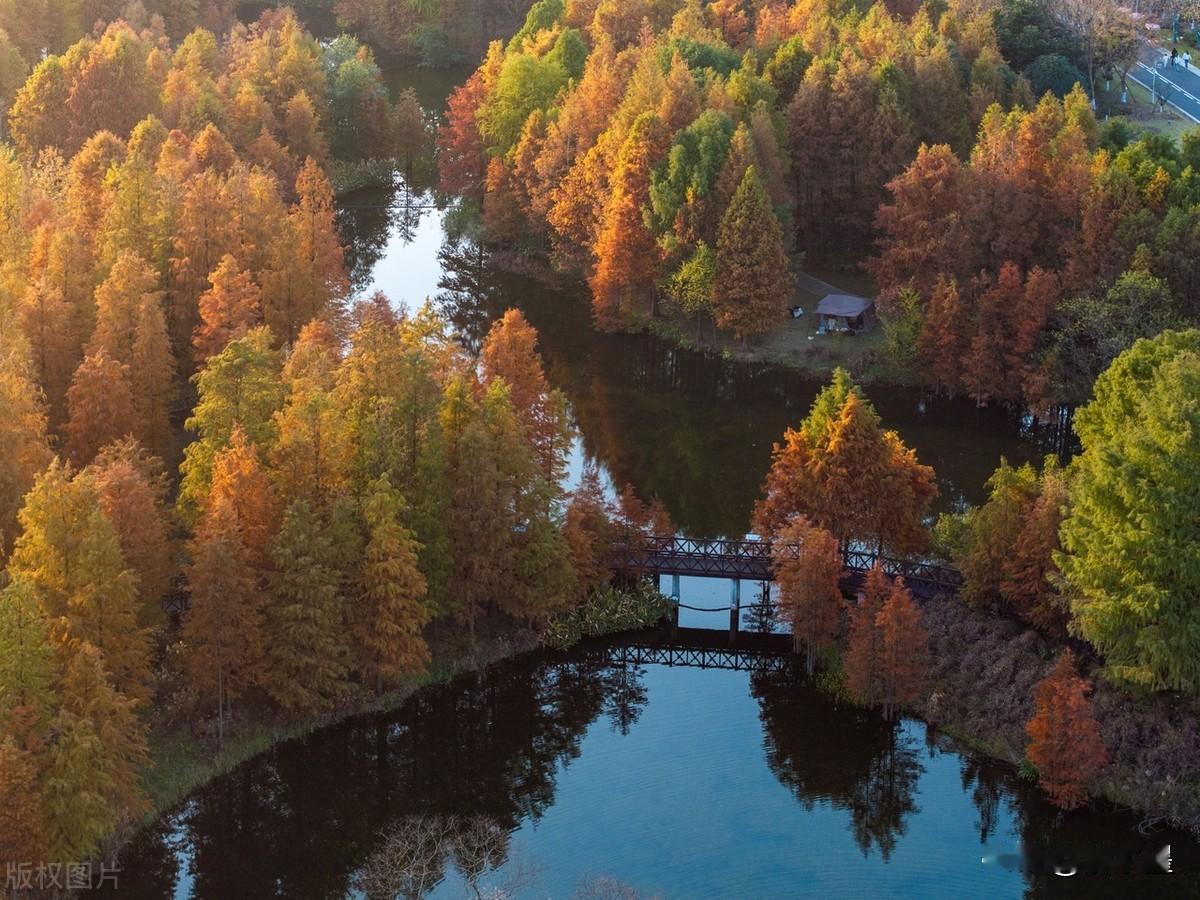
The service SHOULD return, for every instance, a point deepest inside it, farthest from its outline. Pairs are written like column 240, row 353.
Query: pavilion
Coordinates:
column 845, row 312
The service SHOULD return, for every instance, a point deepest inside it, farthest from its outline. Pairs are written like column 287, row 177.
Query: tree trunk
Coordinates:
column 221, row 708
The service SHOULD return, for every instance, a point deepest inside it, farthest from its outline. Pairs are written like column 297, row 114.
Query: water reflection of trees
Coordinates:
column 468, row 290
column 694, row 430
column 369, row 218
column 847, row 757
column 305, row 817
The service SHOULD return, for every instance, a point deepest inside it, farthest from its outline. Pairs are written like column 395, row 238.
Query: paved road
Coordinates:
column 1183, row 88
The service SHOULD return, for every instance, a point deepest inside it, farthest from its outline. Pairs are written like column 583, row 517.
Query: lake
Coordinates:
column 621, row 765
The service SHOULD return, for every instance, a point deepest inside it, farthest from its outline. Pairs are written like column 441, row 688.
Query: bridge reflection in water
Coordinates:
column 697, row 648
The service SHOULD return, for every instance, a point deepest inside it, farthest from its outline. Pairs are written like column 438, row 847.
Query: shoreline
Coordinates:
column 184, row 762
column 785, row 347
column 980, row 696
column 981, row 686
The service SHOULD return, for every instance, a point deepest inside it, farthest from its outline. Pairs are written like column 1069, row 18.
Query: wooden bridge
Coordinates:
column 752, row 559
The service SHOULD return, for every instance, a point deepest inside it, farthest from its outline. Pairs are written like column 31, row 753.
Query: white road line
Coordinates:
column 1173, row 85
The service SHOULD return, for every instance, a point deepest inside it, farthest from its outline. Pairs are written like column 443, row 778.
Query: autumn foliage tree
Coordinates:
column 1065, row 745
column 71, row 557
column 308, row 653
column 223, row 630
column 752, row 281
column 863, row 659
column 903, row 653
column 808, row 566
column 626, row 252
column 588, row 528
column 848, row 475
column 100, row 406
column 23, row 434
column 132, row 490
column 388, row 619
column 510, row 352
column 1006, row 548
column 228, row 309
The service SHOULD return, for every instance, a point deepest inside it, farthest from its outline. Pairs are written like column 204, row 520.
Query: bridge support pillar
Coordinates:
column 675, row 603
column 735, row 607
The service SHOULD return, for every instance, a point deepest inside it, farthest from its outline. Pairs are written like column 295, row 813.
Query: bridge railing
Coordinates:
column 635, row 552
column 912, row 571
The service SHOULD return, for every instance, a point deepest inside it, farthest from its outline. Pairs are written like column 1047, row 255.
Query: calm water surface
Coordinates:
column 682, row 782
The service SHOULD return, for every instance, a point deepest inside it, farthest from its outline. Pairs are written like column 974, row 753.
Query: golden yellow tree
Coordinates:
column 152, row 378
column 119, row 299
column 70, row 555
column 26, row 447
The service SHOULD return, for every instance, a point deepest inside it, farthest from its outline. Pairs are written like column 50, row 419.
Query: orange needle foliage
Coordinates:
column 1064, row 738
column 228, row 309
column 903, row 656
column 99, row 406
column 809, row 596
column 863, row 654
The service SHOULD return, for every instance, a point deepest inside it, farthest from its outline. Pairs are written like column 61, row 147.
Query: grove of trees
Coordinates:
column 629, row 139
column 173, row 296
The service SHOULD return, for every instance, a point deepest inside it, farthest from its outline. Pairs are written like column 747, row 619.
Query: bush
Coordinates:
column 608, row 611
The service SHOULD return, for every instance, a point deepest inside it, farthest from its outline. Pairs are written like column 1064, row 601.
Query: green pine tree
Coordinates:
column 307, row 651
column 389, row 617
column 753, row 283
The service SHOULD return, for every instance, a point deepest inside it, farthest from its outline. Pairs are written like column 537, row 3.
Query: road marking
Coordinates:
column 1173, row 85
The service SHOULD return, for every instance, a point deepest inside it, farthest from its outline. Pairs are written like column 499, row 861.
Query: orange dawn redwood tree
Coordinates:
column 903, row 650
column 228, row 309
column 627, row 254
column 99, row 407
column 462, row 160
column 847, row 474
column 132, row 490
column 809, row 595
column 1064, row 737
column 588, row 532
column 863, row 654
column 223, row 630
column 510, row 352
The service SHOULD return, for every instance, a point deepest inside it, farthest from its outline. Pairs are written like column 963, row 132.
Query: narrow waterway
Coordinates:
column 552, row 774
column 692, row 429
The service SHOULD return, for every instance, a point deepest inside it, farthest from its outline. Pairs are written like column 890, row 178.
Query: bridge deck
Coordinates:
column 752, row 559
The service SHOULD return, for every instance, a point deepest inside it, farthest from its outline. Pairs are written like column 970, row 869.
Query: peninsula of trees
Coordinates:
column 173, row 297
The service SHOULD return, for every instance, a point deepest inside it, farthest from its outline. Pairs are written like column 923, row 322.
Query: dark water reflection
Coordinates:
column 692, row 429
column 688, row 782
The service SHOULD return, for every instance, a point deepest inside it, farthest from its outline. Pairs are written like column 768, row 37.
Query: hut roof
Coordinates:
column 844, row 305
